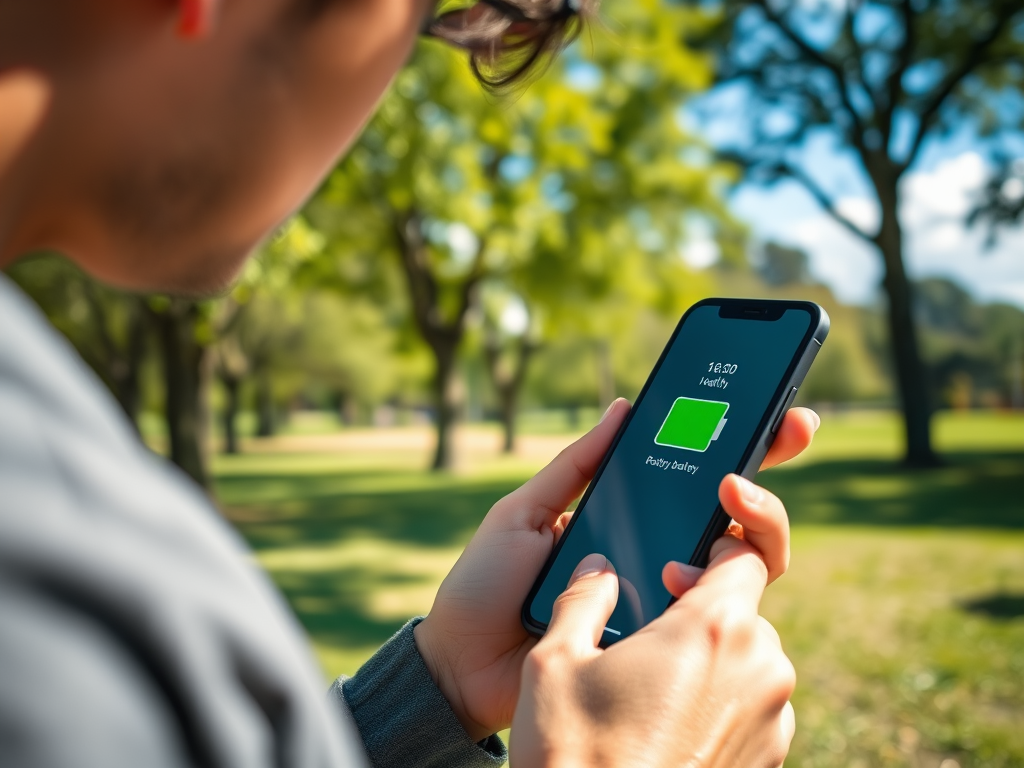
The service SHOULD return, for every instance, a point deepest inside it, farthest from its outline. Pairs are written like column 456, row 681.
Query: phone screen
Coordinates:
column 659, row 488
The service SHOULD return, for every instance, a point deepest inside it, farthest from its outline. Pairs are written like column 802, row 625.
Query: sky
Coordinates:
column 938, row 192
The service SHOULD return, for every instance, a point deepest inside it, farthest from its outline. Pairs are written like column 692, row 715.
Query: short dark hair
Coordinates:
column 508, row 40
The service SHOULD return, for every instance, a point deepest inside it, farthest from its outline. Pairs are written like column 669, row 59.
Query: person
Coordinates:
column 155, row 143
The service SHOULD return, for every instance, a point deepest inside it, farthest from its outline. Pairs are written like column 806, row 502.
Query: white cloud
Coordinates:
column 935, row 203
column 947, row 191
column 839, row 258
column 860, row 210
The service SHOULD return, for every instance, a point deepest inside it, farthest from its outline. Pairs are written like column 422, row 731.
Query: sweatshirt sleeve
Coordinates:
column 403, row 717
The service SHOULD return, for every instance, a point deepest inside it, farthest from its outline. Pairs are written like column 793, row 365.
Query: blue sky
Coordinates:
column 937, row 194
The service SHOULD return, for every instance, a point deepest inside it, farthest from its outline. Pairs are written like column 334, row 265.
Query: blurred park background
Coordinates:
column 484, row 273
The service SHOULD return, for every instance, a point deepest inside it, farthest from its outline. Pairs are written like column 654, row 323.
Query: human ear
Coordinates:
column 195, row 18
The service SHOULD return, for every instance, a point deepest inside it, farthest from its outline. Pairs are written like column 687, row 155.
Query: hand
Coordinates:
column 473, row 642
column 706, row 683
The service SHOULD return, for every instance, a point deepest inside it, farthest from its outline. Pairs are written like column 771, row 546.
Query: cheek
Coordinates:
column 344, row 64
column 199, row 197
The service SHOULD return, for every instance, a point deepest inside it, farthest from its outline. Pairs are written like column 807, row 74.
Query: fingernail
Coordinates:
column 608, row 410
column 690, row 572
column 817, row 420
column 590, row 565
column 751, row 493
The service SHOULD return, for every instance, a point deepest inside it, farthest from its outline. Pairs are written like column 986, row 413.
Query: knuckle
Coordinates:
column 776, row 753
column 787, row 677
column 729, row 623
column 583, row 590
column 782, row 681
column 753, row 561
column 541, row 661
column 565, row 600
column 784, row 562
column 769, row 631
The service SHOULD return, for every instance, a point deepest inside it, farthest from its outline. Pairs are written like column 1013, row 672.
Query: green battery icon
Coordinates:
column 692, row 424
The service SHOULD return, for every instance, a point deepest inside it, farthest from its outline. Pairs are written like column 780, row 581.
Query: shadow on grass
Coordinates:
column 1000, row 605
column 440, row 516
column 290, row 510
column 334, row 604
column 972, row 490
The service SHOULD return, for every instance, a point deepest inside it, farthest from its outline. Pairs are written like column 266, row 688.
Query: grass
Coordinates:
column 903, row 611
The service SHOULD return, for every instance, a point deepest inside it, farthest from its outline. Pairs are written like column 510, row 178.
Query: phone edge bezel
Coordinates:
column 819, row 325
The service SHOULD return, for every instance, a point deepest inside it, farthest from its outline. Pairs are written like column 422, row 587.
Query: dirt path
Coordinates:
column 476, row 447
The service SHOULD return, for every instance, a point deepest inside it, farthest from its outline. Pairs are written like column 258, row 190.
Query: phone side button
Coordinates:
column 782, row 411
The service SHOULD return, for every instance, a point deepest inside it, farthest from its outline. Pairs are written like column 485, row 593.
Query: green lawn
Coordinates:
column 903, row 611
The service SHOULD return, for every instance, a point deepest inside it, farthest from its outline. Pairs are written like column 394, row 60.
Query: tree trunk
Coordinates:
column 184, row 370
column 508, row 384
column 119, row 365
column 443, row 335
column 231, row 386
column 509, row 401
column 445, row 348
column 264, row 405
column 125, row 376
column 911, row 374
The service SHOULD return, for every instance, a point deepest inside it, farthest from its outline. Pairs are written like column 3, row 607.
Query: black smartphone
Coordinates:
column 711, row 406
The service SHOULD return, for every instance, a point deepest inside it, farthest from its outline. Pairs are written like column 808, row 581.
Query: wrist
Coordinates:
column 443, row 674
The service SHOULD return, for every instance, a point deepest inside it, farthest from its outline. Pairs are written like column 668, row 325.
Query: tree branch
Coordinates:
column 894, row 83
column 784, row 169
column 422, row 286
column 814, row 55
column 975, row 57
column 476, row 274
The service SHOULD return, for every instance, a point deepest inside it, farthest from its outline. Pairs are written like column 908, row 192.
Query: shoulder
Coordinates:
column 129, row 585
column 70, row 463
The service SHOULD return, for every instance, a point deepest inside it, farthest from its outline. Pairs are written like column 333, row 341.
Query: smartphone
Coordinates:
column 711, row 406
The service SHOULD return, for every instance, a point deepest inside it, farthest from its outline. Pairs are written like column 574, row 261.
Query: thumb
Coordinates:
column 546, row 495
column 582, row 611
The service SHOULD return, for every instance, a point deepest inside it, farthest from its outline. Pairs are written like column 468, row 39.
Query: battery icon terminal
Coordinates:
column 692, row 424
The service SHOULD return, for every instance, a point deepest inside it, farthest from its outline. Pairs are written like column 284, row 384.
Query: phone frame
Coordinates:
column 752, row 310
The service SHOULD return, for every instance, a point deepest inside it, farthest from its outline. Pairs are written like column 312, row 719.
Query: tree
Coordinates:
column 272, row 321
column 879, row 78
column 509, row 343
column 183, row 338
column 781, row 265
column 550, row 195
column 1002, row 203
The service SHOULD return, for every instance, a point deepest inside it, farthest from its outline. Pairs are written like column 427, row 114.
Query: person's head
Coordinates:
column 155, row 142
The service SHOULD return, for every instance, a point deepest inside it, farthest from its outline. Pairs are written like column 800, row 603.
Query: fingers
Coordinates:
column 795, row 434
column 560, row 524
column 546, row 495
column 736, row 575
column 630, row 600
column 771, row 633
column 787, row 724
column 763, row 519
column 582, row 611
column 679, row 578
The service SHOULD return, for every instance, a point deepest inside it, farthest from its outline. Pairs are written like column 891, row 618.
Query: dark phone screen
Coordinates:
column 659, row 489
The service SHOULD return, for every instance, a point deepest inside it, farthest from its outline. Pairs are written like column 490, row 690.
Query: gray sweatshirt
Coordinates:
column 135, row 628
